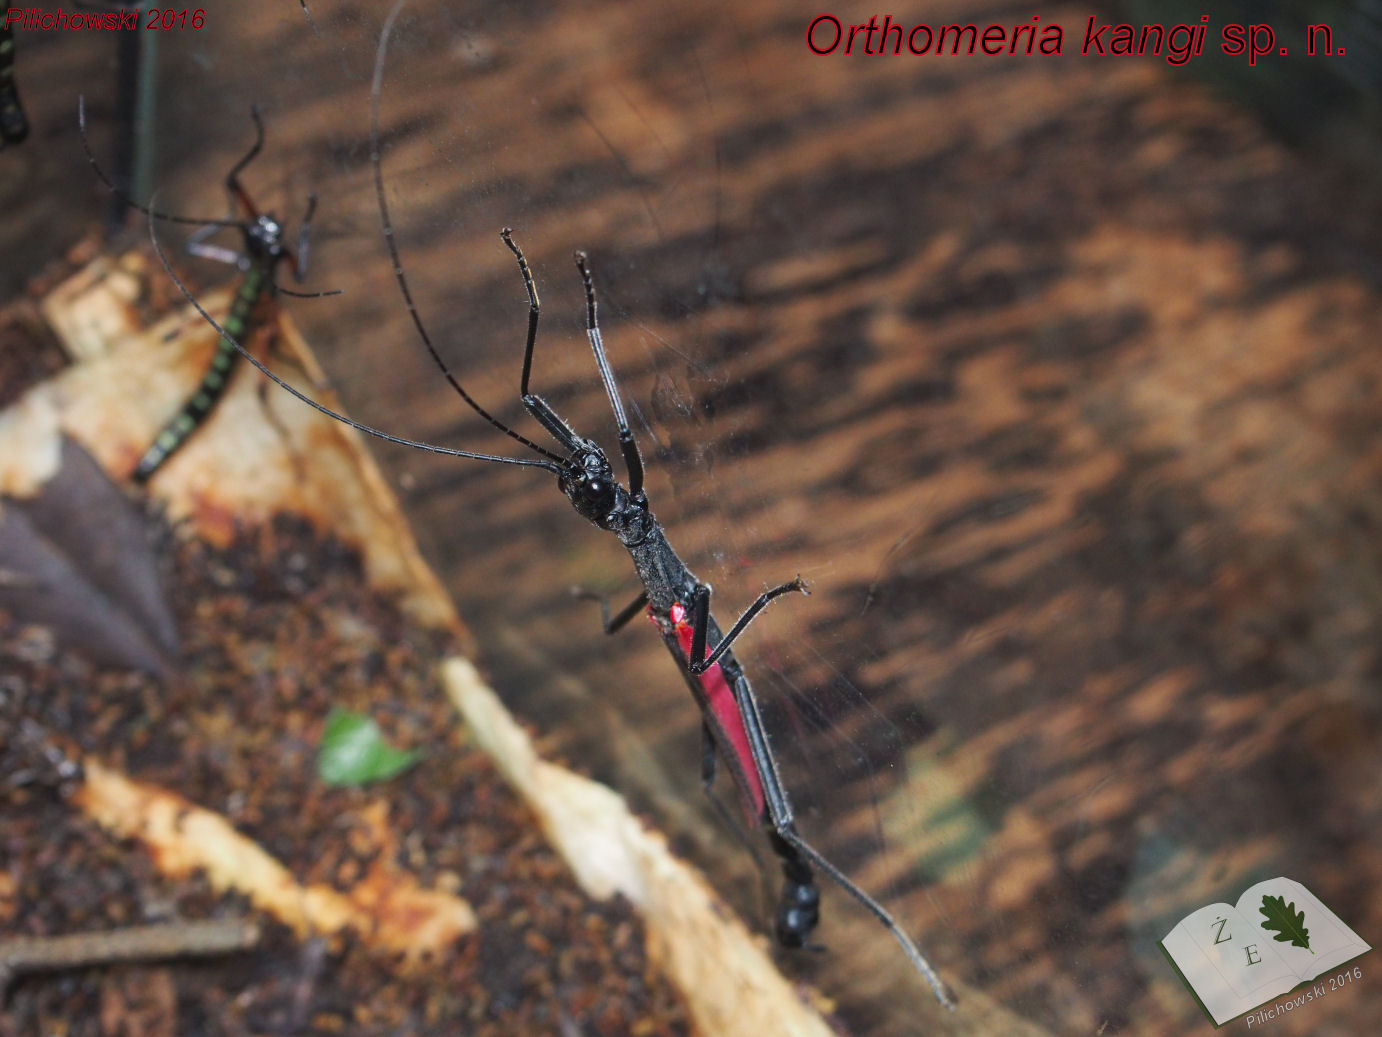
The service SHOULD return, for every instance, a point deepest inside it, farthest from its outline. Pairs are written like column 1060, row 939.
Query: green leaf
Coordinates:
column 353, row 751
column 1286, row 922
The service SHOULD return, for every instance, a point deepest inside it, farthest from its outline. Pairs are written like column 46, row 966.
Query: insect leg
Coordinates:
column 708, row 760
column 236, row 196
column 699, row 662
column 536, row 405
column 294, row 457
column 233, row 187
column 709, row 768
column 625, row 614
column 797, row 907
column 526, row 462
column 788, row 834
column 633, row 460
column 798, row 910
column 299, row 259
column 196, row 246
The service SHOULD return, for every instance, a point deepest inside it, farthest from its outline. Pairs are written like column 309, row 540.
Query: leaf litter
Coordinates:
column 277, row 630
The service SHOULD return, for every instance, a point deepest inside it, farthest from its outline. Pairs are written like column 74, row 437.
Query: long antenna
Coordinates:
column 392, row 244
column 100, row 173
column 550, row 466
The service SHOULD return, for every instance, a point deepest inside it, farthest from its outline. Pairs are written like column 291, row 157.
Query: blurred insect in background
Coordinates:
column 263, row 249
column 14, row 124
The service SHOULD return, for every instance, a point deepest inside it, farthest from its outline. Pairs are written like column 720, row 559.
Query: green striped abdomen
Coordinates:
column 14, row 124
column 214, row 382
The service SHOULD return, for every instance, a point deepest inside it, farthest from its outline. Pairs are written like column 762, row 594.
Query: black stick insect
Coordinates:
column 676, row 601
column 14, row 124
column 264, row 249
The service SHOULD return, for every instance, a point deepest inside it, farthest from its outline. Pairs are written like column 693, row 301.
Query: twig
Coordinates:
column 24, row 954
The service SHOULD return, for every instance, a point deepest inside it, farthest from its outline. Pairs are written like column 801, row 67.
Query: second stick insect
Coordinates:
column 675, row 599
column 264, row 248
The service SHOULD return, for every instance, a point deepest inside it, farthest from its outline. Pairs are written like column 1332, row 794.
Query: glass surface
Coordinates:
column 1055, row 376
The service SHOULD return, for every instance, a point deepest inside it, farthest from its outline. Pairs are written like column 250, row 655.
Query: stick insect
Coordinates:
column 264, row 249
column 14, row 124
column 677, row 602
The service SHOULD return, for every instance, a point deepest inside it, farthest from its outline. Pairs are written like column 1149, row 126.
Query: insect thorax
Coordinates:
column 264, row 238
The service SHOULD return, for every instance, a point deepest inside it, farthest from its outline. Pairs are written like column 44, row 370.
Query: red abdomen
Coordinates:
column 724, row 715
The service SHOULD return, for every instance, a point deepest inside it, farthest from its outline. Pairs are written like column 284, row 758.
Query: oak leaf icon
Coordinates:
column 1286, row 922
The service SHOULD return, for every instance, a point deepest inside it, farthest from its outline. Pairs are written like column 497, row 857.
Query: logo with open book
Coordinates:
column 1278, row 937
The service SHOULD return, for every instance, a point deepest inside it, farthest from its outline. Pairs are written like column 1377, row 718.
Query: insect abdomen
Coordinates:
column 721, row 711
column 213, row 383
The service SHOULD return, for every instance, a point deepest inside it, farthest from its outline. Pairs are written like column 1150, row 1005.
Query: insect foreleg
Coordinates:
column 196, row 246
column 628, row 446
column 539, row 408
column 233, row 186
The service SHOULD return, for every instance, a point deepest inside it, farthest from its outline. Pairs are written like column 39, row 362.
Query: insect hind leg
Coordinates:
column 798, row 907
column 809, row 855
column 709, row 769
